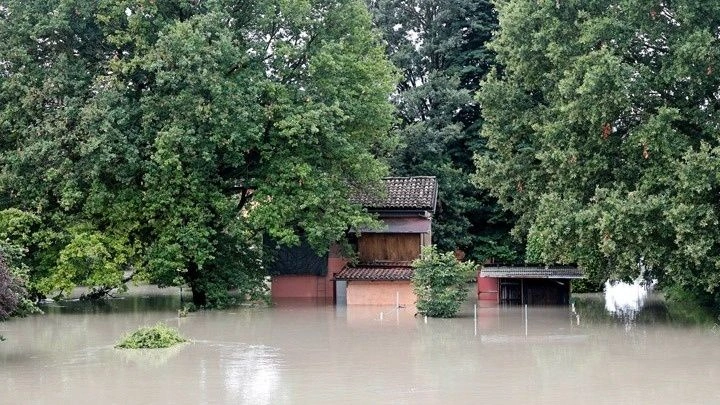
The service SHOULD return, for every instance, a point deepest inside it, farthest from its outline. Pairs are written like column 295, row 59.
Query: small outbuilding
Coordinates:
column 382, row 271
column 531, row 285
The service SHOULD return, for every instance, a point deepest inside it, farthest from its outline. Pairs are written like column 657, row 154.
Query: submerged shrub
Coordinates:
column 151, row 337
column 9, row 299
column 440, row 283
column 14, row 297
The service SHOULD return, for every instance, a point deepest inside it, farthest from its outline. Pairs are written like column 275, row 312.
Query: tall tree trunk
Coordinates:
column 199, row 296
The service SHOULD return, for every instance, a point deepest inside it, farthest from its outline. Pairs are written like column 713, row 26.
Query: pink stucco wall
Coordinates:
column 301, row 286
column 488, row 290
column 380, row 293
column 304, row 286
column 402, row 225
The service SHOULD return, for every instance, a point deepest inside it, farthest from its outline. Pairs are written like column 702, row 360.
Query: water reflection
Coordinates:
column 592, row 310
column 143, row 299
column 252, row 373
column 150, row 357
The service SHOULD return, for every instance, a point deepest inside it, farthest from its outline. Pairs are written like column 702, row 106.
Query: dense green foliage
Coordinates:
column 159, row 336
column 161, row 139
column 587, row 285
column 440, row 282
column 604, row 136
column 439, row 47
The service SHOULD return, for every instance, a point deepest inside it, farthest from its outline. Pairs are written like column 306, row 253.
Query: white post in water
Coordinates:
column 526, row 321
column 397, row 299
column 381, row 316
column 425, row 318
column 475, row 317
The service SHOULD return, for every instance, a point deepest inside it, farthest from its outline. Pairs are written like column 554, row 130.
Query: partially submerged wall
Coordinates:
column 386, row 293
column 301, row 286
column 488, row 290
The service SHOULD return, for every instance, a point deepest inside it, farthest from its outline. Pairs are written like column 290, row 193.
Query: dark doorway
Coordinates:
column 534, row 291
column 546, row 292
column 510, row 291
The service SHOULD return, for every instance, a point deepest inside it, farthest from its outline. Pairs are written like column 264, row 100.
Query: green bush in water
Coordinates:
column 440, row 283
column 151, row 337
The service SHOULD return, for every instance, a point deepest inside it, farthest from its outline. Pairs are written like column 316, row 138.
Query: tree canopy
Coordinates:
column 604, row 136
column 439, row 48
column 161, row 138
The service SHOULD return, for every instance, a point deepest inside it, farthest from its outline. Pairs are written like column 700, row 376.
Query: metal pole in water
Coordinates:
column 526, row 321
column 381, row 316
column 475, row 317
column 425, row 318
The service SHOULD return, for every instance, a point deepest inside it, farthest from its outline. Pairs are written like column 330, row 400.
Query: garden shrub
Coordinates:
column 440, row 282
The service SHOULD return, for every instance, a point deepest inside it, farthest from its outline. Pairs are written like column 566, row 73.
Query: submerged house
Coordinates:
column 531, row 285
column 382, row 272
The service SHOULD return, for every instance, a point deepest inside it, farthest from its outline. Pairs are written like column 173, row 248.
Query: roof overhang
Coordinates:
column 375, row 273
column 400, row 212
column 549, row 272
column 401, row 225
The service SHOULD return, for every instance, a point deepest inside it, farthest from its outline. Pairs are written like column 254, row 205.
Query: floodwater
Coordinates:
column 308, row 353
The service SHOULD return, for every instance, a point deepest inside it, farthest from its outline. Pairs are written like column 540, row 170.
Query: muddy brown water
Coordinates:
column 309, row 353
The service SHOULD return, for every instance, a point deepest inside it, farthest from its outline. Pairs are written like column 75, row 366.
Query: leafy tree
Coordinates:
column 14, row 299
column 15, row 235
column 439, row 47
column 602, row 127
column 440, row 282
column 161, row 138
column 8, row 291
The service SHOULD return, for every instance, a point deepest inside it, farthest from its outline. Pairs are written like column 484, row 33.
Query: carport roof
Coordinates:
column 531, row 272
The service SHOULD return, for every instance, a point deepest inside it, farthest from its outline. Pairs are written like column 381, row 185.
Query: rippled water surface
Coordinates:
column 307, row 353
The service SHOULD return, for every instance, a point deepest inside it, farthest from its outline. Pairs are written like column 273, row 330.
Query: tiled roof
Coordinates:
column 531, row 272
column 375, row 273
column 415, row 193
